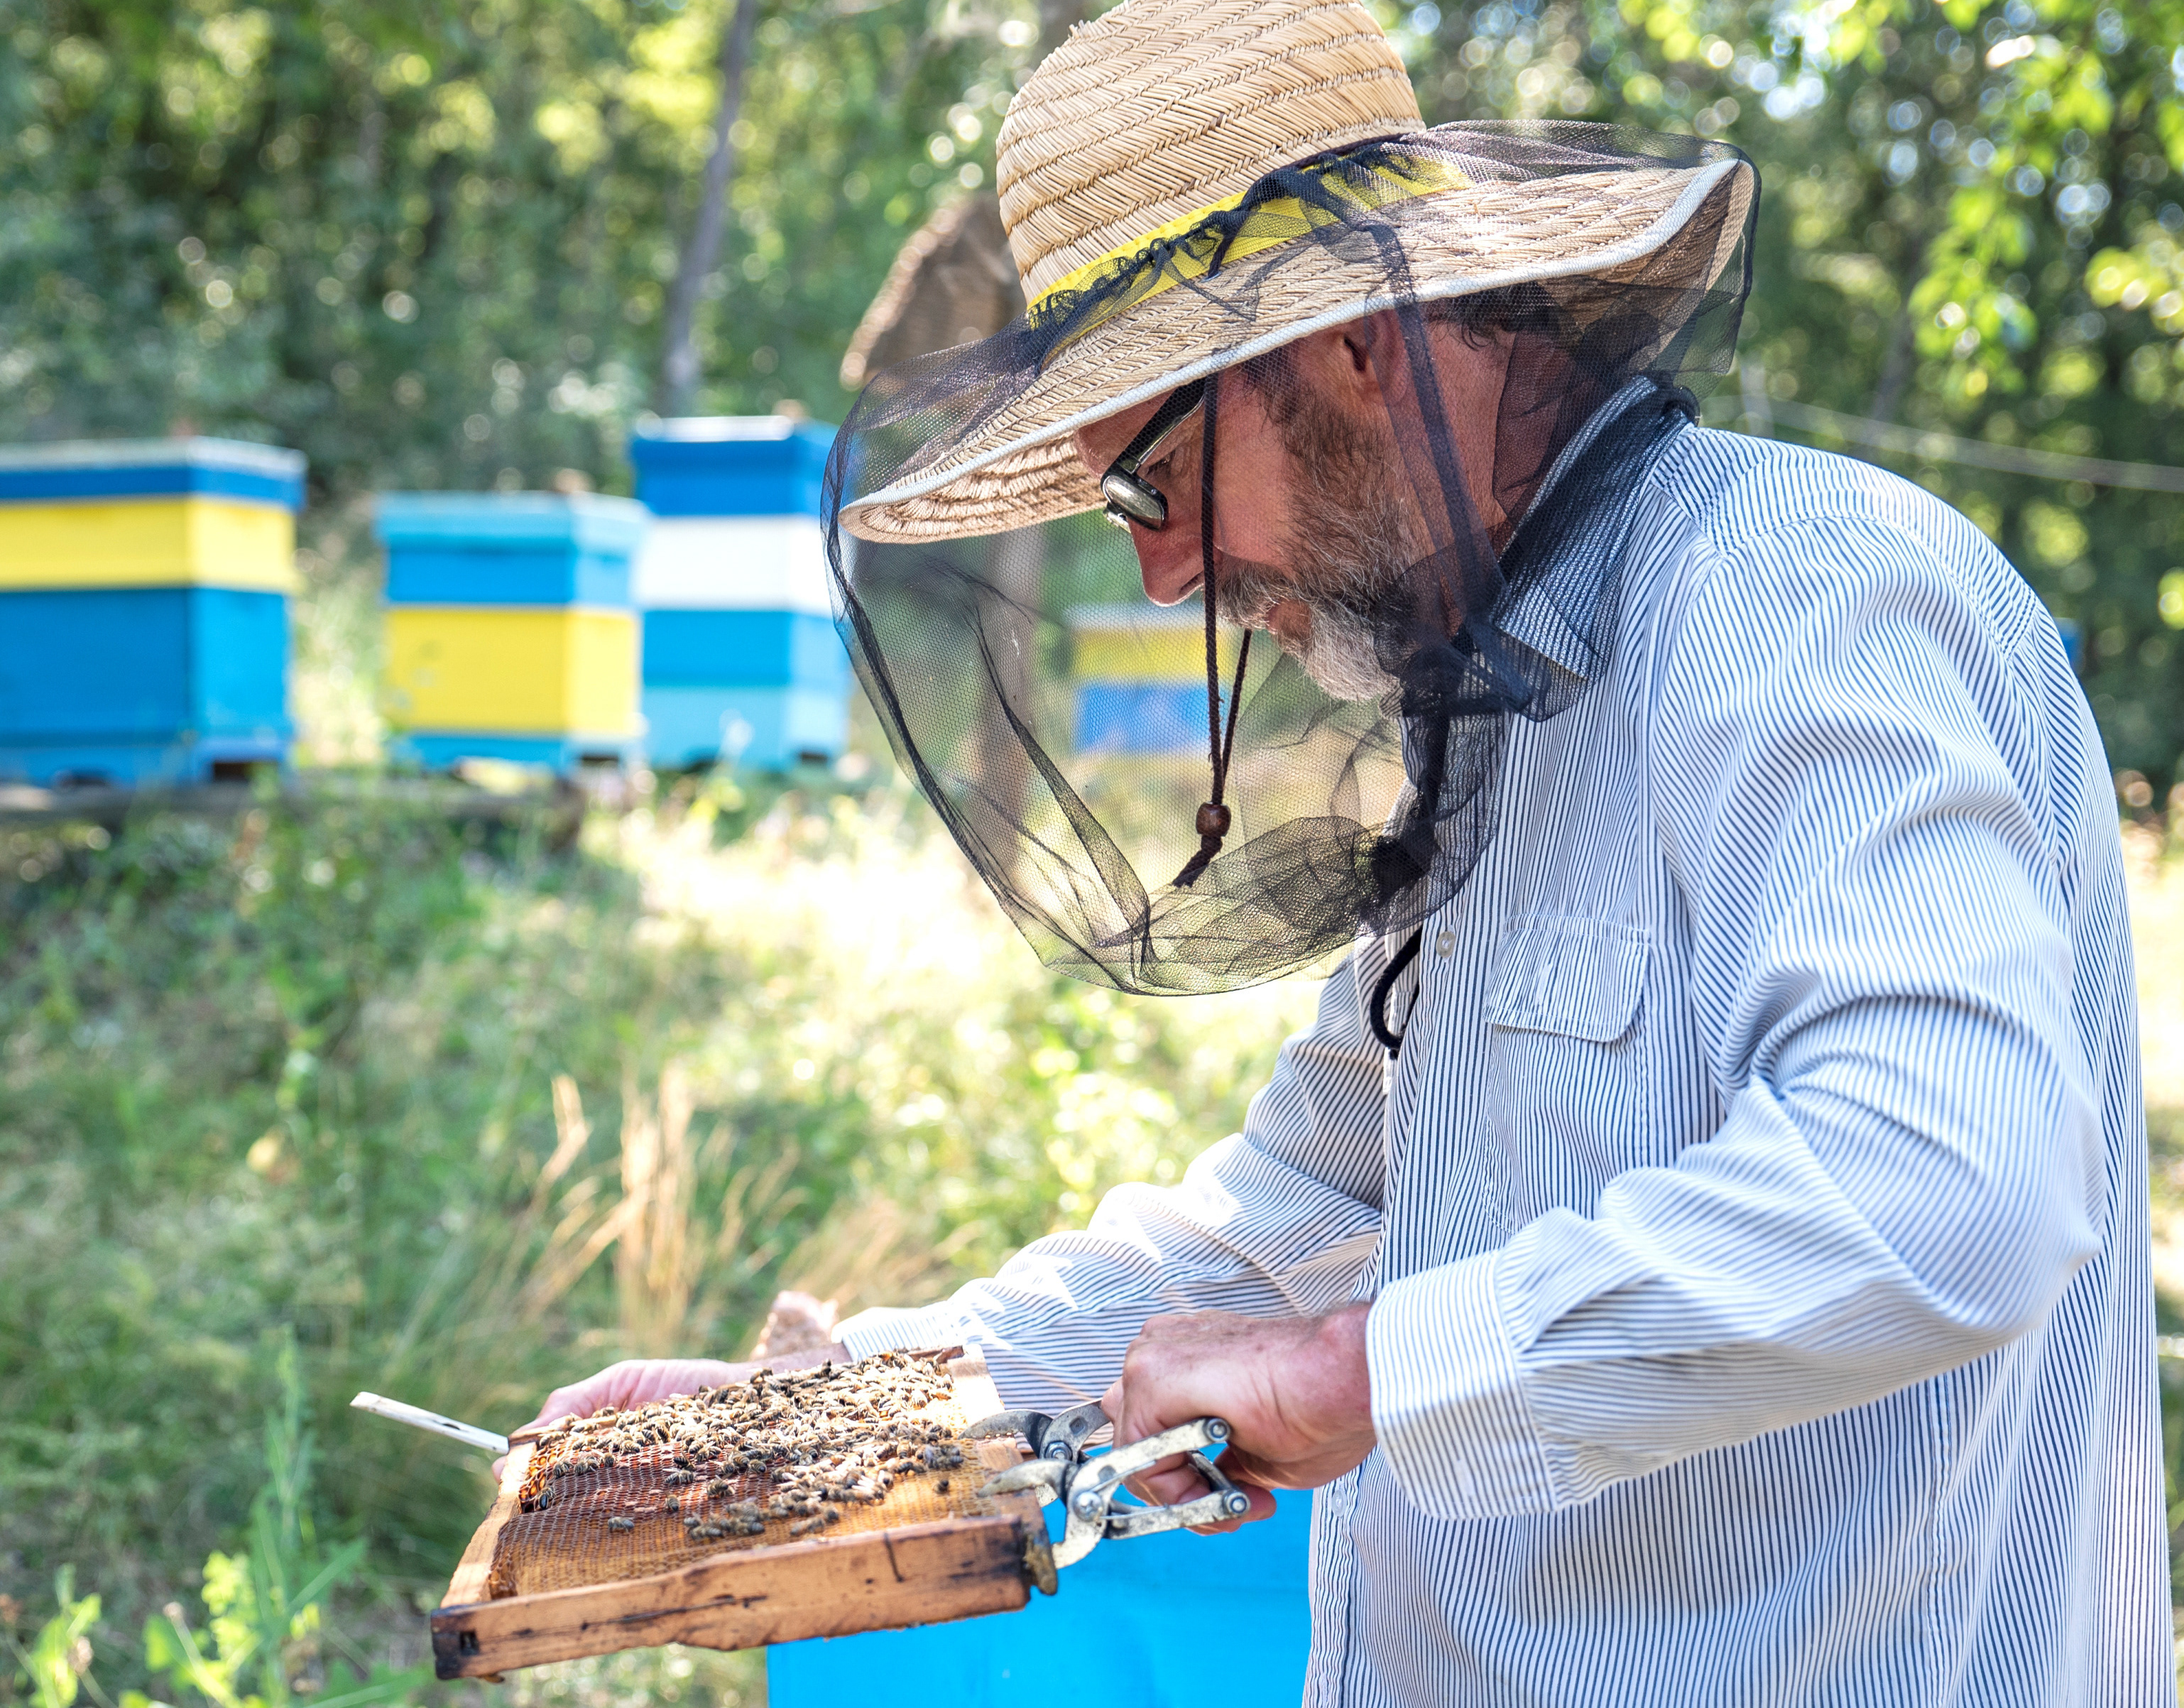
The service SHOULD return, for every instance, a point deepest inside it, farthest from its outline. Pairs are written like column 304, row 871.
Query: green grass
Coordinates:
column 294, row 1073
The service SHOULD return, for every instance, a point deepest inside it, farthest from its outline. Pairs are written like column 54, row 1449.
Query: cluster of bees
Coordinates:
column 810, row 1442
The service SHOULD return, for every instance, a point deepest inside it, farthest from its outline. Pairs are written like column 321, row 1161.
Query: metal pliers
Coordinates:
column 1088, row 1488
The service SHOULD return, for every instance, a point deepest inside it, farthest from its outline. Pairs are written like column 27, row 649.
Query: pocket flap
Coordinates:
column 1580, row 978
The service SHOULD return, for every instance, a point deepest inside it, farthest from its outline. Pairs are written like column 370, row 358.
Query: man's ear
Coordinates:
column 1364, row 349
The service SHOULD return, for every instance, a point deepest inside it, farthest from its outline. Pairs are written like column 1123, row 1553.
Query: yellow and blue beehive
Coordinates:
column 511, row 633
column 144, row 609
column 742, row 663
column 1138, row 673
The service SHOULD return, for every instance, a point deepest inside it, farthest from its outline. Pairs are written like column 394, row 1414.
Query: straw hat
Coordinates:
column 1156, row 114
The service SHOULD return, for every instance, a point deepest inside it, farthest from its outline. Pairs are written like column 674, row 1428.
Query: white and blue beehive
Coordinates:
column 144, row 591
column 743, row 663
column 510, row 632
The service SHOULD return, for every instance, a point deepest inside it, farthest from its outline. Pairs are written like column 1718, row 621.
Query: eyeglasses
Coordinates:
column 1131, row 498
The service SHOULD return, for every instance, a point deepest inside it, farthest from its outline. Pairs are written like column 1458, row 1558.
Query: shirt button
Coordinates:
column 1445, row 945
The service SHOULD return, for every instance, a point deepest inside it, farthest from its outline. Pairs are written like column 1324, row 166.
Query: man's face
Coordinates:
column 1316, row 527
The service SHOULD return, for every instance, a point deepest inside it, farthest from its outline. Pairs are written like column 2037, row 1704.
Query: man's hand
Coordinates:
column 1295, row 1390
column 639, row 1380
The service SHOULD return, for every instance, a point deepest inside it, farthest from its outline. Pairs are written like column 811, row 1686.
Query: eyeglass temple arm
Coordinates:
column 1180, row 402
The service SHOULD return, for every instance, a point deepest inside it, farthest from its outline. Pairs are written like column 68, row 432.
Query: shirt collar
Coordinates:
column 1535, row 619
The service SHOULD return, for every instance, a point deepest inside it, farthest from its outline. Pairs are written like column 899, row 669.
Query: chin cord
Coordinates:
column 1376, row 1011
column 1213, row 818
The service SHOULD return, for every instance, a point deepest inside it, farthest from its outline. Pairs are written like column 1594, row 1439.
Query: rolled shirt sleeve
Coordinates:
column 1853, row 808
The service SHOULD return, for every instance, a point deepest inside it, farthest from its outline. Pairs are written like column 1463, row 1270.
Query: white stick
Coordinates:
column 467, row 1433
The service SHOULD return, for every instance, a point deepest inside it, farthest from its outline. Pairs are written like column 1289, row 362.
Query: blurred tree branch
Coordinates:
column 679, row 368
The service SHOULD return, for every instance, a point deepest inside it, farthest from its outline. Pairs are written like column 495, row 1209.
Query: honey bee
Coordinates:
column 619, row 1522
column 819, row 1439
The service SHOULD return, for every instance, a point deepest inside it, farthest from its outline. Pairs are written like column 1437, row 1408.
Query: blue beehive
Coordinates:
column 1171, row 1621
column 742, row 661
column 1140, row 676
column 144, row 609
column 510, row 635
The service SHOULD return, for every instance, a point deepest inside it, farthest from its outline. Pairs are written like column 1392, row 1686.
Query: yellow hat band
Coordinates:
column 1194, row 246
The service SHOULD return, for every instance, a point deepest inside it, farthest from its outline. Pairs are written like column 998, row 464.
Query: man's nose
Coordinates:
column 1167, row 562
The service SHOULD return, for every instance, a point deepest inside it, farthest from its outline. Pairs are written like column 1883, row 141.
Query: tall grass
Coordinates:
column 472, row 1113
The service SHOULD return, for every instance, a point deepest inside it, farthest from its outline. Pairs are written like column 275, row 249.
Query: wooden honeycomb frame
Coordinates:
column 820, row 1586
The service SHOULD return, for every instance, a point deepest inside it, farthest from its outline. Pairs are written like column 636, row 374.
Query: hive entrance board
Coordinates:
column 738, row 1520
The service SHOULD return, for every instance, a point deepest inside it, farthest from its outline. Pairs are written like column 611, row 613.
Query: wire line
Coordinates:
column 1941, row 447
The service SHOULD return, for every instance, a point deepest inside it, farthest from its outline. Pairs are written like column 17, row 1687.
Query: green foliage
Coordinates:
column 266, row 1604
column 297, row 1069
column 670, row 1675
column 204, row 1137
column 427, row 243
column 1972, row 220
column 58, row 1658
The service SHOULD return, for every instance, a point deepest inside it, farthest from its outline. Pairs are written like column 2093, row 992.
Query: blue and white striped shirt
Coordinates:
column 1755, row 1215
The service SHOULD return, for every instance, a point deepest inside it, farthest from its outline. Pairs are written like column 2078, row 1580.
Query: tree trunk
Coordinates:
column 1901, row 360
column 1016, row 568
column 1055, row 19
column 678, row 373
column 1897, row 365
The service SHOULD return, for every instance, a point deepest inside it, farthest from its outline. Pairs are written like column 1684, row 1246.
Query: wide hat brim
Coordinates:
column 1016, row 465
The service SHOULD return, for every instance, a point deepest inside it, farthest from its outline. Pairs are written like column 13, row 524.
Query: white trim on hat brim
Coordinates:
column 1672, row 219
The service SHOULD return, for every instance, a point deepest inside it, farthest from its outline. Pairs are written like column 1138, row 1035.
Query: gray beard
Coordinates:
column 1342, row 654
column 1349, row 560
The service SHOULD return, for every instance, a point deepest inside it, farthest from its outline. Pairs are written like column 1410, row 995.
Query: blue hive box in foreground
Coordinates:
column 510, row 634
column 743, row 664
column 1173, row 1621
column 144, row 609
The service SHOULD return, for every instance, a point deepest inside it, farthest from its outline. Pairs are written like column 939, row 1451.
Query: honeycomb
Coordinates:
column 834, row 1450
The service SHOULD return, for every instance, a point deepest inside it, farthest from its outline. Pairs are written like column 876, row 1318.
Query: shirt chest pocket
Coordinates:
column 1570, row 1088
column 1575, row 978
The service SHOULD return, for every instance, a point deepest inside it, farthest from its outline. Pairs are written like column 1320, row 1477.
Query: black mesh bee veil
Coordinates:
column 1401, row 397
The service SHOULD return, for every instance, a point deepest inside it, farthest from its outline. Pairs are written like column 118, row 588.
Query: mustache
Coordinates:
column 1246, row 590
column 1369, row 596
